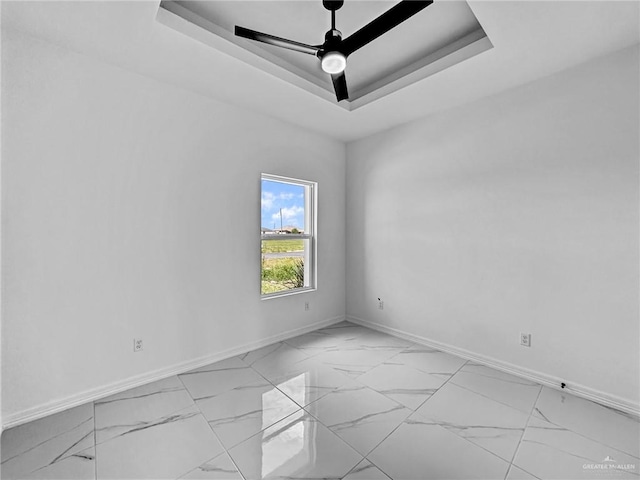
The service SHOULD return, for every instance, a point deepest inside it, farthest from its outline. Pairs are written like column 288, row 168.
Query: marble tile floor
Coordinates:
column 343, row 402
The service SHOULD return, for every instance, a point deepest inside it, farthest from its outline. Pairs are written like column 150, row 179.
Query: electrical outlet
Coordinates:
column 137, row 345
column 306, row 305
column 525, row 339
column 380, row 305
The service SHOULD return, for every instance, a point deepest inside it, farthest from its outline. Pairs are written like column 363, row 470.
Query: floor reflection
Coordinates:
column 287, row 449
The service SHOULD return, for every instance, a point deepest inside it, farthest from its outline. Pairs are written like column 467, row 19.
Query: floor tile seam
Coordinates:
column 206, row 420
column 400, row 424
column 598, row 441
column 364, row 456
column 186, row 389
column 161, row 391
column 62, row 459
column 235, row 464
column 381, row 442
column 242, row 356
column 234, row 445
column 387, row 395
column 438, row 389
column 387, row 436
column 301, row 350
column 352, row 469
column 515, row 453
column 310, row 347
column 209, row 460
column 228, row 450
column 487, row 397
column 364, row 385
column 308, row 354
column 392, row 432
column 63, row 456
column 415, row 412
column 478, row 446
column 55, row 461
column 406, row 350
column 164, row 416
column 434, row 419
column 225, row 449
column 371, row 462
column 630, row 417
column 522, row 381
column 200, row 371
column 266, row 379
column 49, row 438
column 196, row 467
column 365, row 460
column 520, row 468
column 591, row 439
column 284, row 393
column 243, row 384
column 42, row 467
column 155, row 419
column 407, row 366
column 374, row 413
column 416, row 369
column 303, row 407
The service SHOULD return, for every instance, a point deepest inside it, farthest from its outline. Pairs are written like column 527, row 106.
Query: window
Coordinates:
column 287, row 235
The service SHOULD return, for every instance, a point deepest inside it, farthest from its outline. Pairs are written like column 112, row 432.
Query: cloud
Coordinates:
column 267, row 200
column 289, row 214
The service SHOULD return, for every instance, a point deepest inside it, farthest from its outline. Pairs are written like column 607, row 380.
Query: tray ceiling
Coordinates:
column 442, row 35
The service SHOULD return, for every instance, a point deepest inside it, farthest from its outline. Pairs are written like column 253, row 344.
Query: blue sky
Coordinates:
column 289, row 198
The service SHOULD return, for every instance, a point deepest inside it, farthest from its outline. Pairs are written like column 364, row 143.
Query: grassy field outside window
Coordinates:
column 282, row 273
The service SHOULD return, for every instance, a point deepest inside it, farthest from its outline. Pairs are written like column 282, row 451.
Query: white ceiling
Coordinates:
column 530, row 39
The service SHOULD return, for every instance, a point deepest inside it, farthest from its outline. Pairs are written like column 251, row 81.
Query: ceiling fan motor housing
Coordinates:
column 332, row 41
column 332, row 5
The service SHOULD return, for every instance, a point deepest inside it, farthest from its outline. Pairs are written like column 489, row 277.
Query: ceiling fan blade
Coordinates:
column 277, row 41
column 340, row 86
column 381, row 25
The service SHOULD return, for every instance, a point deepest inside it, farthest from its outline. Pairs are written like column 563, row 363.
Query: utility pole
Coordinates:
column 280, row 220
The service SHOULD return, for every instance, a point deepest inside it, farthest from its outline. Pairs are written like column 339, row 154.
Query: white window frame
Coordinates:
column 310, row 229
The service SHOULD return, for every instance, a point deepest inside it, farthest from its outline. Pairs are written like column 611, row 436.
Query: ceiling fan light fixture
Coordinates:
column 334, row 62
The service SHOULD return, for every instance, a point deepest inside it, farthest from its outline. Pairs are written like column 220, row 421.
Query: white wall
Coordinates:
column 518, row 213
column 131, row 209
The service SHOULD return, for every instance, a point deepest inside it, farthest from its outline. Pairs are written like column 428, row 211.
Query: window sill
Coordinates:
column 288, row 293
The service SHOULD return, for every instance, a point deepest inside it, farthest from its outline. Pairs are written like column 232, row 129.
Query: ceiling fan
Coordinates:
column 334, row 51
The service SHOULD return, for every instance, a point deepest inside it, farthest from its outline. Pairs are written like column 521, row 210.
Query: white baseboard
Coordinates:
column 551, row 381
column 60, row 405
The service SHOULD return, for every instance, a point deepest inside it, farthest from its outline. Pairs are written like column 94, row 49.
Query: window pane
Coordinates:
column 283, row 207
column 283, row 265
column 287, row 212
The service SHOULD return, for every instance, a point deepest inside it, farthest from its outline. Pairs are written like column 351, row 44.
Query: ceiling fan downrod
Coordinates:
column 332, row 60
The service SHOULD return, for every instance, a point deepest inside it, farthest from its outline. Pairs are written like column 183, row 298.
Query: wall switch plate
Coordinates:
column 137, row 345
column 306, row 305
column 525, row 339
